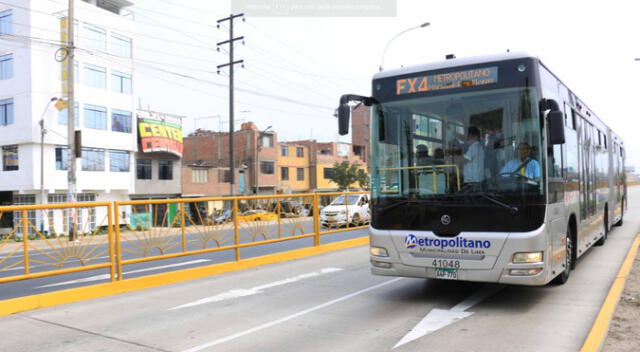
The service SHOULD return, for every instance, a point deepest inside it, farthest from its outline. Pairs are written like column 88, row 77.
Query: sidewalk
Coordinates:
column 624, row 330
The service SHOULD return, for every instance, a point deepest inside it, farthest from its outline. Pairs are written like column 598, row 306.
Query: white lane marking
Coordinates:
column 289, row 317
column 107, row 276
column 43, row 265
column 254, row 290
column 439, row 318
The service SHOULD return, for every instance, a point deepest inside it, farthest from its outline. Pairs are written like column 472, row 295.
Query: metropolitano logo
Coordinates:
column 411, row 241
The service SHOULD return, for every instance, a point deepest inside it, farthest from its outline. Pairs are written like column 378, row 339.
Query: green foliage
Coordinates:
column 345, row 174
column 363, row 179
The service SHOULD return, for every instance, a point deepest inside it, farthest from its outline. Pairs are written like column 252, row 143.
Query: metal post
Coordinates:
column 71, row 170
column 232, row 176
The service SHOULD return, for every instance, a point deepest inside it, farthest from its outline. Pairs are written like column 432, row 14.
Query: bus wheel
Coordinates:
column 605, row 222
column 568, row 258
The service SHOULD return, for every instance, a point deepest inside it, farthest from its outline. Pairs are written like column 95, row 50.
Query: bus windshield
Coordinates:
column 440, row 147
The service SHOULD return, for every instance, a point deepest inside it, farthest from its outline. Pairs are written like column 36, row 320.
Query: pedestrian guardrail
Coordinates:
column 69, row 238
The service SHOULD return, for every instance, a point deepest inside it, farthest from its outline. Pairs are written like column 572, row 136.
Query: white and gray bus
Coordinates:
column 487, row 169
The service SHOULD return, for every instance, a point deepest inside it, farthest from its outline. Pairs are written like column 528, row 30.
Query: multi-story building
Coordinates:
column 322, row 158
column 294, row 172
column 361, row 132
column 159, row 157
column 31, row 80
column 255, row 154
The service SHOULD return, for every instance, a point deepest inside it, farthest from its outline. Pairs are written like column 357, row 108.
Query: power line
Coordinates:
column 293, row 49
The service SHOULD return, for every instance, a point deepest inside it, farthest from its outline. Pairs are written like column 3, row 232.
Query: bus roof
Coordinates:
column 452, row 63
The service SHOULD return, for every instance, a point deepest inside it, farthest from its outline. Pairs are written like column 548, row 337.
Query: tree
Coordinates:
column 345, row 174
column 363, row 179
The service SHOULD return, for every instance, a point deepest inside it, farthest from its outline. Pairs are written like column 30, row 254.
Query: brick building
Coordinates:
column 361, row 132
column 206, row 162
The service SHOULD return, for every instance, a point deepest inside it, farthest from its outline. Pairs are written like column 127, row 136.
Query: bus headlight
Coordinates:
column 527, row 257
column 379, row 252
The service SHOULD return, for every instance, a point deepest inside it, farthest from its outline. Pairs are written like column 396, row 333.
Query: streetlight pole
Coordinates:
column 43, row 131
column 258, row 148
column 426, row 24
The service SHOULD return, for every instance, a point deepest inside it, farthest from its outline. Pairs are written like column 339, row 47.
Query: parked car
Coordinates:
column 257, row 215
column 339, row 213
column 224, row 217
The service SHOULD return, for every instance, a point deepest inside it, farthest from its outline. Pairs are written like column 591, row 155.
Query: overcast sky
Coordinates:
column 307, row 63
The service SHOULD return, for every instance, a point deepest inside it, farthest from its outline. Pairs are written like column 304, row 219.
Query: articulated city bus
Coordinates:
column 487, row 169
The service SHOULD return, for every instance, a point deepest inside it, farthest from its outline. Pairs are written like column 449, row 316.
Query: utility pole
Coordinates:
column 71, row 125
column 231, row 63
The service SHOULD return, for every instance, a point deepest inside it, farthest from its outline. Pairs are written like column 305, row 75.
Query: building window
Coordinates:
column 95, row 76
column 6, row 112
column 118, row 161
column 143, row 169
column 300, row 152
column 120, row 45
column 266, row 141
column 284, row 173
column 62, row 116
column 328, row 173
column 165, row 170
column 224, row 176
column 95, row 38
column 6, row 66
column 92, row 159
column 300, row 174
column 62, row 159
column 120, row 121
column 95, row 117
column 121, row 82
column 199, row 175
column 266, row 167
column 284, row 150
column 10, row 158
column 6, row 22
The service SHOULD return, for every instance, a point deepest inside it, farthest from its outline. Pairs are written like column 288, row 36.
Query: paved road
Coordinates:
column 331, row 302
column 47, row 284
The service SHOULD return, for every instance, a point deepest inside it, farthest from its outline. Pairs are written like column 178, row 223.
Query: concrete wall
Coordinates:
column 155, row 186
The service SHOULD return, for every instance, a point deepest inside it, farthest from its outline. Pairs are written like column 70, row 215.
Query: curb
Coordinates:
column 50, row 299
column 598, row 333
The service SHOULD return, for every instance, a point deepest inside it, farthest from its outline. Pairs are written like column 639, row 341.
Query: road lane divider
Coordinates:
column 255, row 290
column 598, row 333
column 289, row 317
column 21, row 304
column 106, row 276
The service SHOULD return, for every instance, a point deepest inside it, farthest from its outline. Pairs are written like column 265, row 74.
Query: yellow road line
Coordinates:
column 50, row 299
column 598, row 332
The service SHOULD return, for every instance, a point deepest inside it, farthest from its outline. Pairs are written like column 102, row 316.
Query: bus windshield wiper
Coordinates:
column 492, row 199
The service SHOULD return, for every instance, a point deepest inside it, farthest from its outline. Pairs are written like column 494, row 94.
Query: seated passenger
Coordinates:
column 523, row 164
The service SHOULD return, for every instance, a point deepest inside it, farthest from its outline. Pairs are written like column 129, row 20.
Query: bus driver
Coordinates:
column 523, row 164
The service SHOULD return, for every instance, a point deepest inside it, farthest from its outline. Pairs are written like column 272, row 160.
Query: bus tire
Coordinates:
column 605, row 223
column 564, row 275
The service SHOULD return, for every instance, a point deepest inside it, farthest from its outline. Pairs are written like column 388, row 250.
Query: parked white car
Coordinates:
column 338, row 213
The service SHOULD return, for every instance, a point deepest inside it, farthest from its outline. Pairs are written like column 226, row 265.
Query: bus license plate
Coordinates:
column 447, row 274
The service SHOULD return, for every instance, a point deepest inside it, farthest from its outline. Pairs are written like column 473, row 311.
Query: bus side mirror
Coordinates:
column 556, row 127
column 344, row 112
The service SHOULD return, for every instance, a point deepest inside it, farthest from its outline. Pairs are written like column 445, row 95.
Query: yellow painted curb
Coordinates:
column 50, row 299
column 598, row 332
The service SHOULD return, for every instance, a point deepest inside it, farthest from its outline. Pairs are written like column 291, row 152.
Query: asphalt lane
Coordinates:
column 51, row 283
column 331, row 302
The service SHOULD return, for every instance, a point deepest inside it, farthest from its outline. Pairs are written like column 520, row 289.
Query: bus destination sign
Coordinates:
column 448, row 80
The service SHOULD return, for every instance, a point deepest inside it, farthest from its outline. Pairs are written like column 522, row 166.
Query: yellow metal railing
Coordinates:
column 434, row 170
column 56, row 239
column 50, row 251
